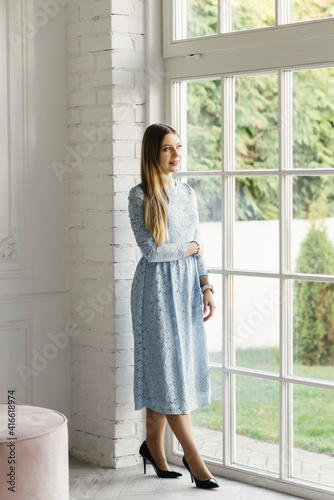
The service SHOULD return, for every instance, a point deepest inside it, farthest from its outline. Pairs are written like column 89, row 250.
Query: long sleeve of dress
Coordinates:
column 153, row 253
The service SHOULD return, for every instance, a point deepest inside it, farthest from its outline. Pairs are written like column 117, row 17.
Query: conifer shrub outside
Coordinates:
column 313, row 318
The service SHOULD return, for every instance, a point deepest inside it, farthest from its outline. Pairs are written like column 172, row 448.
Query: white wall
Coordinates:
column 34, row 257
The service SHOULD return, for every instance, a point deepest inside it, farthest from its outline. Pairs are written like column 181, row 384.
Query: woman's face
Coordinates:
column 170, row 154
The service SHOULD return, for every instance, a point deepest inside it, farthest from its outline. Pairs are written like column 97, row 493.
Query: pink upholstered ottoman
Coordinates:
column 35, row 464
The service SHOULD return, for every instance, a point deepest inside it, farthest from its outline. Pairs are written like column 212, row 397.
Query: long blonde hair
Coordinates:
column 152, row 178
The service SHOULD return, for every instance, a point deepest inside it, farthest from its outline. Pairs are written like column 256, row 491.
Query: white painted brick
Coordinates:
column 124, row 394
column 123, row 7
column 121, row 201
column 122, row 307
column 87, row 339
column 127, row 24
column 98, row 219
column 139, row 9
column 82, row 99
column 73, row 47
column 106, row 375
column 73, row 116
column 128, row 59
column 122, row 288
column 139, row 43
column 123, row 237
column 100, row 185
column 124, row 340
column 108, row 341
column 105, row 202
column 95, row 43
column 85, row 441
column 124, row 184
column 100, row 358
column 92, row 10
column 121, row 219
column 95, row 115
column 103, row 60
column 138, row 150
column 108, row 448
column 102, row 25
column 124, row 254
column 102, row 150
column 96, row 80
column 123, row 149
column 78, row 423
column 124, row 132
column 80, row 29
column 85, row 371
column 122, row 42
column 126, row 166
column 123, row 114
column 99, row 292
column 80, row 64
column 125, row 412
column 75, row 219
column 99, row 254
column 122, row 77
column 82, row 202
column 140, row 115
column 124, row 271
column 130, row 96
column 105, row 168
column 105, row 96
column 124, row 376
column 123, row 325
column 89, row 271
column 78, row 353
column 122, row 430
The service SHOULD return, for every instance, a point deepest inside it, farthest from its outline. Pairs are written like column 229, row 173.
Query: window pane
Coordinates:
column 204, row 125
column 312, row 233
column 313, row 111
column 249, row 14
column 256, row 322
column 256, row 122
column 313, row 417
column 202, row 17
column 209, row 201
column 208, row 421
column 313, row 329
column 303, row 10
column 256, row 228
column 214, row 326
column 257, row 423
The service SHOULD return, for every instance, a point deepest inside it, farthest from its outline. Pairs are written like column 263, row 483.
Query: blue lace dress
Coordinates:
column 171, row 368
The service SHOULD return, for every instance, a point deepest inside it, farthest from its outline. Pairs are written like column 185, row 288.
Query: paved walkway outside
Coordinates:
column 308, row 466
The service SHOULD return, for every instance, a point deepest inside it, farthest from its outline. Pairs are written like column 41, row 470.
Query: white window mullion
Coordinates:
column 285, row 163
column 225, row 16
column 282, row 11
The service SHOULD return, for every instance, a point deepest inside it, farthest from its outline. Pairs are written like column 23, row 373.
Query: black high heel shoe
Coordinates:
column 207, row 484
column 147, row 457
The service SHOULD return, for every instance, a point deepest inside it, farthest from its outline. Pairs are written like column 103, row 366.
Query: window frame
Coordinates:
column 298, row 46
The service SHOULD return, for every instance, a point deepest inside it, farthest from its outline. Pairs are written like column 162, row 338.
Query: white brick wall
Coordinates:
column 106, row 115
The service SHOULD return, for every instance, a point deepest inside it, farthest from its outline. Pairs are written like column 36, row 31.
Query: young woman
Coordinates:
column 170, row 293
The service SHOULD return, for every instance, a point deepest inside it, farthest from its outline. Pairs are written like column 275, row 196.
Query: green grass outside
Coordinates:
column 257, row 412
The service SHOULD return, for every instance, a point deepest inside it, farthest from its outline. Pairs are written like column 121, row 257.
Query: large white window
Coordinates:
column 252, row 96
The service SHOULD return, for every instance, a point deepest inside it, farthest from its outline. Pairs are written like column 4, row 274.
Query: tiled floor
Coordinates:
column 309, row 466
column 90, row 482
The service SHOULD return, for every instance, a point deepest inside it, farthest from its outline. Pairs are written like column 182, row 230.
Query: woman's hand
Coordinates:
column 209, row 302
